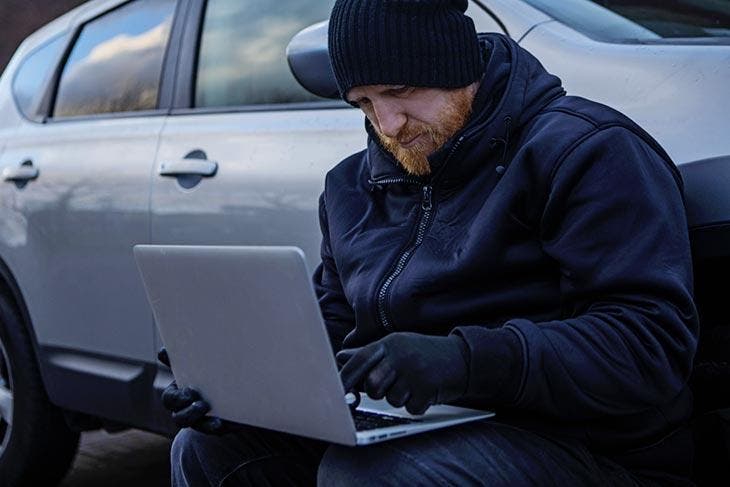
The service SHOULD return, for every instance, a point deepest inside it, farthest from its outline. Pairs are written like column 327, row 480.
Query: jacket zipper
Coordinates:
column 427, row 209
column 394, row 180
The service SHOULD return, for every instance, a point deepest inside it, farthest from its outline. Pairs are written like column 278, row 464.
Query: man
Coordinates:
column 497, row 245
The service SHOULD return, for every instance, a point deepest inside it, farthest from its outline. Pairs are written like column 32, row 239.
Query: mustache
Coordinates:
column 408, row 133
column 414, row 159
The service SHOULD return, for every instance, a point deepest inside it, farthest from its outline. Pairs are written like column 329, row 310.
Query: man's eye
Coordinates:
column 364, row 102
column 402, row 91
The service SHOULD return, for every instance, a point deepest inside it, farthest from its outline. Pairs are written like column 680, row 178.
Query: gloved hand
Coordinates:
column 408, row 369
column 189, row 409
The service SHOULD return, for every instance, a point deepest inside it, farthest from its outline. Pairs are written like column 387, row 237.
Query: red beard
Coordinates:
column 415, row 159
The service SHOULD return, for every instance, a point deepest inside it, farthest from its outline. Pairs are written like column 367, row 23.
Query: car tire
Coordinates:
column 36, row 445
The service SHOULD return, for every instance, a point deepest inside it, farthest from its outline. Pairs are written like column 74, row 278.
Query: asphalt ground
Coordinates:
column 130, row 458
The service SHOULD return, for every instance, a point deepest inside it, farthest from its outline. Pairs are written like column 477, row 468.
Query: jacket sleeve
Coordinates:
column 615, row 225
column 339, row 316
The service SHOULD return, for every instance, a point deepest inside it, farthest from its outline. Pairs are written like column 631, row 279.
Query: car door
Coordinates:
column 82, row 189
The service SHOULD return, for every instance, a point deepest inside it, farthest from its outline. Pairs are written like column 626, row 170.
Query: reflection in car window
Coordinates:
column 242, row 58
column 33, row 74
column 642, row 20
column 116, row 63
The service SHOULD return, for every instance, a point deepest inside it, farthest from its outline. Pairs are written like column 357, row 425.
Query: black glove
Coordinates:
column 408, row 369
column 189, row 409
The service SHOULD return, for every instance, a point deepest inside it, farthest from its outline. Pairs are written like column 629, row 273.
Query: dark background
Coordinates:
column 19, row 18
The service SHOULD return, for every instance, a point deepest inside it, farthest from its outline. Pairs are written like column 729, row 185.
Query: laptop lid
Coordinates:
column 217, row 308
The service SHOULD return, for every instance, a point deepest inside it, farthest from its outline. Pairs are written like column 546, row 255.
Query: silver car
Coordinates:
column 180, row 122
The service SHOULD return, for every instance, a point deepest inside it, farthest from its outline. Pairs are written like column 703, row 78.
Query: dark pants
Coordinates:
column 480, row 453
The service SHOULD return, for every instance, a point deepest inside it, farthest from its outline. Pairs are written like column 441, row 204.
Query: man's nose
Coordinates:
column 390, row 119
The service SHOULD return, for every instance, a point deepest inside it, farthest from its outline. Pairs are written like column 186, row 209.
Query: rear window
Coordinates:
column 116, row 63
column 643, row 21
column 33, row 76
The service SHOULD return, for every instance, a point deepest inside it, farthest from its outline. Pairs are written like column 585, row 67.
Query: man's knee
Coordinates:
column 345, row 466
column 184, row 452
column 372, row 465
column 198, row 459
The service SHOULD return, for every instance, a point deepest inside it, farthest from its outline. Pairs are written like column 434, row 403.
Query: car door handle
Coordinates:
column 184, row 167
column 23, row 172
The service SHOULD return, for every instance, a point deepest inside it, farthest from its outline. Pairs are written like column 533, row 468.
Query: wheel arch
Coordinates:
column 9, row 287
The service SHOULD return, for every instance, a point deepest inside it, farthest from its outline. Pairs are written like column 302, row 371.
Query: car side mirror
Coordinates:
column 309, row 61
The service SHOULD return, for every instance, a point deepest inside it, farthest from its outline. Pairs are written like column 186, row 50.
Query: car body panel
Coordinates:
column 271, row 168
column 73, row 229
column 9, row 117
column 664, row 88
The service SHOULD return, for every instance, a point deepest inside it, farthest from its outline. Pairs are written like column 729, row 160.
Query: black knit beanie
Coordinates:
column 423, row 43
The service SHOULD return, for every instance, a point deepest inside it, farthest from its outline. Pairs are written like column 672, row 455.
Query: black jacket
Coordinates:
column 551, row 236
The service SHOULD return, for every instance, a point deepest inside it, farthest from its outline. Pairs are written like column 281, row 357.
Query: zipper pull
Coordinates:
column 427, row 204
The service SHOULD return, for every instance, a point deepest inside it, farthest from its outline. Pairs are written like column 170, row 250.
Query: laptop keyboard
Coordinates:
column 368, row 420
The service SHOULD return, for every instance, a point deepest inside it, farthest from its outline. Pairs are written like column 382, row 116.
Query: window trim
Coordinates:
column 166, row 93
column 184, row 100
column 108, row 116
column 176, row 31
column 187, row 62
column 266, row 107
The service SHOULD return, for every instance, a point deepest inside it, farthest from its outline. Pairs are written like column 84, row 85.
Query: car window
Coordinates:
column 242, row 56
column 116, row 62
column 642, row 20
column 33, row 74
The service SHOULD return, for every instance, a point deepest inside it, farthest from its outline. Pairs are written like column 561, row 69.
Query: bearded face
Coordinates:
column 417, row 140
column 413, row 123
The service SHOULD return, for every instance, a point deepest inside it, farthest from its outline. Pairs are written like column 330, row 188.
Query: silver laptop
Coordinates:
column 243, row 326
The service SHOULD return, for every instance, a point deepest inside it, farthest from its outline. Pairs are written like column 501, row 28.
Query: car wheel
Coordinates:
column 36, row 446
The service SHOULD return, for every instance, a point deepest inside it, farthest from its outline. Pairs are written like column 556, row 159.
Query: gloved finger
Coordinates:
column 343, row 356
column 169, row 396
column 379, row 380
column 418, row 404
column 192, row 414
column 175, row 399
column 398, row 394
column 163, row 357
column 359, row 364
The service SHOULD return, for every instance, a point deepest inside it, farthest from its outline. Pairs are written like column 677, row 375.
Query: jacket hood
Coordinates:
column 514, row 88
